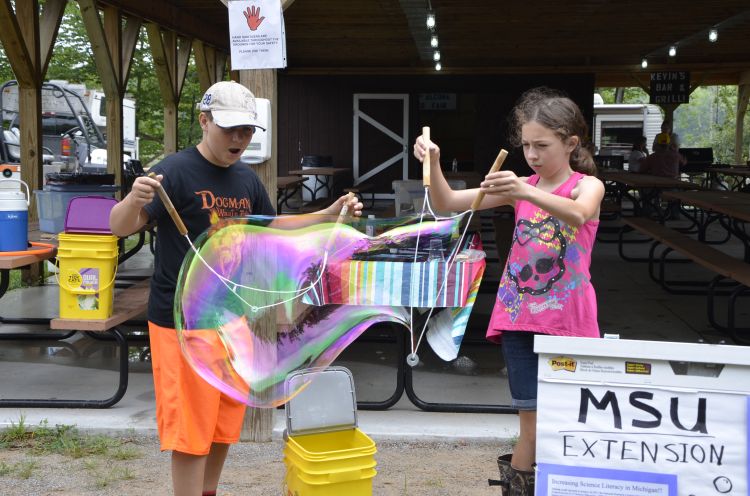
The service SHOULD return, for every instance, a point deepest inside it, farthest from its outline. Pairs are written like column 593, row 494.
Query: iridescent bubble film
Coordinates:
column 262, row 297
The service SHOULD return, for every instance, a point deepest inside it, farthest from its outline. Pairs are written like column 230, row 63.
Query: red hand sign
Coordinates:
column 252, row 14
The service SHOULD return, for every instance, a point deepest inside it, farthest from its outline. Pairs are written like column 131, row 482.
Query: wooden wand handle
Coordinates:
column 495, row 167
column 170, row 207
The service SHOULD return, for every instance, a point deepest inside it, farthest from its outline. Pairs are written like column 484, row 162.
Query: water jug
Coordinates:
column 14, row 218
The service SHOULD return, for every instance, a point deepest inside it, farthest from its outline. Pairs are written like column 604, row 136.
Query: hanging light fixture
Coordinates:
column 430, row 19
column 672, row 50
column 438, row 66
column 644, row 63
column 713, row 35
column 434, row 41
column 436, row 55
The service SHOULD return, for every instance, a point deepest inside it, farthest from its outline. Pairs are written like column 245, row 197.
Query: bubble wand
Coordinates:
column 413, row 359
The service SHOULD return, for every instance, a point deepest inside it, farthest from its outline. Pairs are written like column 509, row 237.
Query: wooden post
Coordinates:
column 28, row 37
column 113, row 45
column 258, row 424
column 743, row 96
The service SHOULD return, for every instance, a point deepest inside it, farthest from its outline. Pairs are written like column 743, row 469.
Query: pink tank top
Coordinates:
column 546, row 286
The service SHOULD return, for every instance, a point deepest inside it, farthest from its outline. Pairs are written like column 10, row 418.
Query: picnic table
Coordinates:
column 730, row 208
column 328, row 175
column 649, row 189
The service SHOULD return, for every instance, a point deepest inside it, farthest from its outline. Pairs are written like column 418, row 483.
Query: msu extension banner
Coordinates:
column 640, row 418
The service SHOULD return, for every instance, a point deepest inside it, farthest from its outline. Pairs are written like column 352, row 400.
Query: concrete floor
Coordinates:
column 630, row 304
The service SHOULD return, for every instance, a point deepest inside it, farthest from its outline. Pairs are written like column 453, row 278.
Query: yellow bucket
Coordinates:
column 88, row 264
column 337, row 463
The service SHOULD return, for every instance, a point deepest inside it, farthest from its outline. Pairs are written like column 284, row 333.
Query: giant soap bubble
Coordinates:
column 260, row 297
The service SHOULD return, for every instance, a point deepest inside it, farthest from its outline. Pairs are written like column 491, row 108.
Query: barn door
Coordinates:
column 381, row 141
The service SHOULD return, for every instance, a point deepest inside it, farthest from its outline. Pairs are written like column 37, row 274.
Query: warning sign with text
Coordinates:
column 256, row 34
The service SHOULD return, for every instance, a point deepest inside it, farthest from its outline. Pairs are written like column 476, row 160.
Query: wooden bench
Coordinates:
column 722, row 264
column 286, row 188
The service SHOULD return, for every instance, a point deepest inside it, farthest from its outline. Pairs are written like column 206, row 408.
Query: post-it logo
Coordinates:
column 562, row 363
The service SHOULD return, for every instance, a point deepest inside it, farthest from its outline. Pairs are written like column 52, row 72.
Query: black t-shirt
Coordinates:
column 199, row 191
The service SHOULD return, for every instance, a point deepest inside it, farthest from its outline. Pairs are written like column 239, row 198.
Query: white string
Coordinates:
column 226, row 282
column 449, row 266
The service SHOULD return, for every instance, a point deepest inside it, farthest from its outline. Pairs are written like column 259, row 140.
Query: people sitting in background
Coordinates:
column 667, row 137
column 663, row 162
column 637, row 154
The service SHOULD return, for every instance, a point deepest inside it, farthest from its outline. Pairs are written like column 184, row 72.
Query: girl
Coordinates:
column 546, row 287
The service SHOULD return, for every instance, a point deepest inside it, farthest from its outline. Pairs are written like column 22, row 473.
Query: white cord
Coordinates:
column 451, row 261
column 233, row 288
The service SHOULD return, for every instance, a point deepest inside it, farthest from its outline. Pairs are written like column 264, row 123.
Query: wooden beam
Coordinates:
column 205, row 61
column 49, row 26
column 170, row 16
column 264, row 84
column 20, row 58
column 99, row 45
column 171, row 54
column 743, row 97
column 129, row 39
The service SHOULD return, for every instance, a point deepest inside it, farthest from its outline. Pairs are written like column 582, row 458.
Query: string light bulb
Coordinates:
column 430, row 20
column 436, row 55
column 672, row 51
column 713, row 35
column 438, row 66
column 434, row 41
column 644, row 63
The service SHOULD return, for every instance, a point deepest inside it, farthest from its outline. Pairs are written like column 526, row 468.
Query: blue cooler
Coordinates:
column 14, row 218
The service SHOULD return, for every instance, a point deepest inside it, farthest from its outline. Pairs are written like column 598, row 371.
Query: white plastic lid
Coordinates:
column 325, row 402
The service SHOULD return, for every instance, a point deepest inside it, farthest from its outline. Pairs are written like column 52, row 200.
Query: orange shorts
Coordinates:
column 190, row 413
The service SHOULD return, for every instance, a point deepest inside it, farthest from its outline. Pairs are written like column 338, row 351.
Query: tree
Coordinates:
column 73, row 60
column 707, row 121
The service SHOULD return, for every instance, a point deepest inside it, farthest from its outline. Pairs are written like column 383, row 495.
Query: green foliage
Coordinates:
column 707, row 121
column 630, row 95
column 64, row 440
column 73, row 60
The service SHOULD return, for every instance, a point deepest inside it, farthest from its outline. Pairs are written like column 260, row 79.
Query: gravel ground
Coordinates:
column 137, row 467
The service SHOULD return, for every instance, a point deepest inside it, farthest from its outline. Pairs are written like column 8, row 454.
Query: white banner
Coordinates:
column 613, row 426
column 256, row 34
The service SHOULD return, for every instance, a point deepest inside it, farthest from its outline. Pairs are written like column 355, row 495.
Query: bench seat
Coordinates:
column 725, row 266
column 128, row 304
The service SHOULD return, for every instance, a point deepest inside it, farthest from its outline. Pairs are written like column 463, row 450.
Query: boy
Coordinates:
column 206, row 182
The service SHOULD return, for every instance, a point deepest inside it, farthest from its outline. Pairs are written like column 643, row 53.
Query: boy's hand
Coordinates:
column 143, row 190
column 353, row 206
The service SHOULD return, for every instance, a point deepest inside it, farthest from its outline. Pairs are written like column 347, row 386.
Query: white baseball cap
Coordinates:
column 230, row 104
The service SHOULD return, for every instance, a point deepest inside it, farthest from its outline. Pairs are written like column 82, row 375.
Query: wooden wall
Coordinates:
column 315, row 115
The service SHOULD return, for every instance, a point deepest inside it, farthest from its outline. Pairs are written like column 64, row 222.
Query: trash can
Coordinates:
column 310, row 162
column 325, row 453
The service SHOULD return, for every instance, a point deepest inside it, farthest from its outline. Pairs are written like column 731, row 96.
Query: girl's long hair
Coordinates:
column 557, row 112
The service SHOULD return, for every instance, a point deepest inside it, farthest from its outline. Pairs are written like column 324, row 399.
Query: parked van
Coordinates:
column 617, row 126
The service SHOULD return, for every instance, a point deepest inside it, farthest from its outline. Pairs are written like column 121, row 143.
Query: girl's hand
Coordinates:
column 420, row 149
column 504, row 183
column 143, row 190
